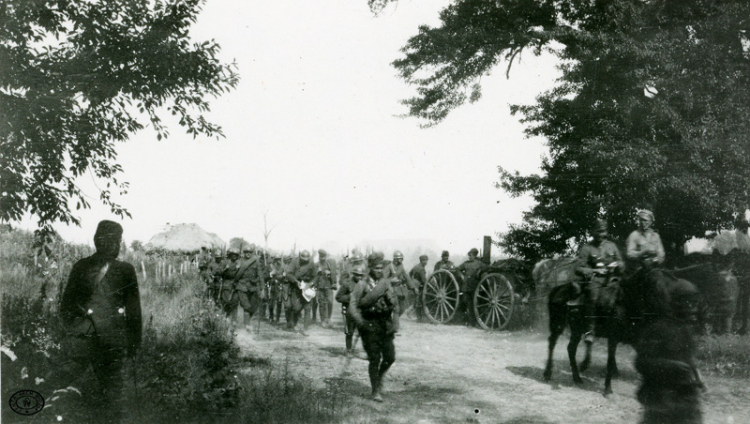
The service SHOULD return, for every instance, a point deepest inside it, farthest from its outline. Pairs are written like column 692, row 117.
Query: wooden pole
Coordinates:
column 143, row 270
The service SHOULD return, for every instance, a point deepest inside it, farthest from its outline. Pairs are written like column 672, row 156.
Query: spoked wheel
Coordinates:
column 440, row 297
column 493, row 302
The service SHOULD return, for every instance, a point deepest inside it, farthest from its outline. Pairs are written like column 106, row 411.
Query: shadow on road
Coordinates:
column 560, row 377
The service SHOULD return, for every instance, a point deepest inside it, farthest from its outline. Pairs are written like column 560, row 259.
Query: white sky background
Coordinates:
column 312, row 136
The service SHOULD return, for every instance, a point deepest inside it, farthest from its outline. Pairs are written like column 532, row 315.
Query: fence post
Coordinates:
column 143, row 269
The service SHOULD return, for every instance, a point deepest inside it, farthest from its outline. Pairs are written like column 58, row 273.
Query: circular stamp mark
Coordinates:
column 26, row 402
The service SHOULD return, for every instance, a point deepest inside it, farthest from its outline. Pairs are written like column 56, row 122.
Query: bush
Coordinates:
column 727, row 355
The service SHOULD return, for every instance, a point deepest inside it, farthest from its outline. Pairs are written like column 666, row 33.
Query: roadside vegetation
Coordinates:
column 189, row 369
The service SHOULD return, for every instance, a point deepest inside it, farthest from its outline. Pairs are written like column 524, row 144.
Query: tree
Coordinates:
column 137, row 246
column 77, row 76
column 238, row 243
column 651, row 111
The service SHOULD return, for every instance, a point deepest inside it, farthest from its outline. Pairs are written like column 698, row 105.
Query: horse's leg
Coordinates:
column 556, row 326
column 577, row 325
column 616, row 332
column 586, row 359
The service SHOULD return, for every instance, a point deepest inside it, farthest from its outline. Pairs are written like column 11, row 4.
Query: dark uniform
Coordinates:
column 213, row 272
column 371, row 305
column 401, row 285
column 444, row 262
column 275, row 281
column 325, row 283
column 471, row 269
column 300, row 271
column 418, row 274
column 596, row 261
column 228, row 274
column 101, row 310
column 343, row 296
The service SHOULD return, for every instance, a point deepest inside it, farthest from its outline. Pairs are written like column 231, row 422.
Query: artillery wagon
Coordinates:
column 494, row 293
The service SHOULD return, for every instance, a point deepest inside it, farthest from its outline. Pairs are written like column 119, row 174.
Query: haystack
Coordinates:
column 185, row 238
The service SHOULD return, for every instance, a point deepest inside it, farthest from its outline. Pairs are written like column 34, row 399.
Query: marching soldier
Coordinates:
column 101, row 310
column 228, row 273
column 214, row 277
column 419, row 275
column 343, row 296
column 204, row 260
column 596, row 261
column 354, row 260
column 401, row 284
column 275, row 292
column 471, row 269
column 325, row 283
column 371, row 306
column 444, row 262
column 299, row 276
column 248, row 286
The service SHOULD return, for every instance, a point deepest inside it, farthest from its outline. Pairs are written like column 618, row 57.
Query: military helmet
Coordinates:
column 250, row 248
column 304, row 255
column 398, row 255
column 473, row 251
column 445, row 254
column 322, row 253
column 356, row 257
column 358, row 270
column 233, row 251
column 218, row 254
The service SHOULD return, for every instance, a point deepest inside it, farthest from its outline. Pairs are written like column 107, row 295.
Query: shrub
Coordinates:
column 727, row 355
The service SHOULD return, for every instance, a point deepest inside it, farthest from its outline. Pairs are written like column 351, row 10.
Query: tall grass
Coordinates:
column 189, row 369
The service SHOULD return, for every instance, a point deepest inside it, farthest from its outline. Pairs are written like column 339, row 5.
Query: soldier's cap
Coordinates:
column 601, row 225
column 304, row 255
column 645, row 214
column 473, row 251
column 322, row 253
column 218, row 254
column 108, row 228
column 424, row 258
column 358, row 270
column 233, row 251
column 356, row 257
column 445, row 254
column 398, row 255
column 248, row 249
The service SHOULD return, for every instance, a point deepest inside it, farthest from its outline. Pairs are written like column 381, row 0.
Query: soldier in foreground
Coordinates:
column 670, row 381
column 444, row 262
column 343, row 296
column 371, row 306
column 101, row 311
column 247, row 285
column 419, row 275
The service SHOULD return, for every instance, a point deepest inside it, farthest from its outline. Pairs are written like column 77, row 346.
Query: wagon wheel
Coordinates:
column 440, row 297
column 493, row 302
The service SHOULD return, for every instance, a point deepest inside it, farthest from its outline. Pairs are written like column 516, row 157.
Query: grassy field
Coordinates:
column 189, row 369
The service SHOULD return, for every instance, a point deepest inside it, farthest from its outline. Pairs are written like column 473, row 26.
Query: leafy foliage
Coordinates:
column 651, row 111
column 76, row 77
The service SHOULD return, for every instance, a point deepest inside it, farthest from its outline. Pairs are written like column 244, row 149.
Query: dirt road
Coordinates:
column 452, row 374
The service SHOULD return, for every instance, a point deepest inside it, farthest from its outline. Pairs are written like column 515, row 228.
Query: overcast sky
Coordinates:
column 313, row 137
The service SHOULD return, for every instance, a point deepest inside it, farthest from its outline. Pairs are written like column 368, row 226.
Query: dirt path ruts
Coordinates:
column 451, row 373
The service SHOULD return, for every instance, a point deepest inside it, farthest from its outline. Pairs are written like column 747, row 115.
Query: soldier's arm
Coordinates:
column 410, row 283
column 582, row 262
column 354, row 299
column 343, row 294
column 659, row 250
column 631, row 250
column 617, row 257
column 376, row 293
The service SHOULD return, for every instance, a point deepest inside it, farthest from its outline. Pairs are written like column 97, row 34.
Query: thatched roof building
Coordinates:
column 185, row 238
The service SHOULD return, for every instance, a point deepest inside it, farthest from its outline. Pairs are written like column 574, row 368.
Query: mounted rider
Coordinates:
column 597, row 262
column 646, row 251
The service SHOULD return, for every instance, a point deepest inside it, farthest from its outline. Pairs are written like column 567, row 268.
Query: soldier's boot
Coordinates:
column 375, row 383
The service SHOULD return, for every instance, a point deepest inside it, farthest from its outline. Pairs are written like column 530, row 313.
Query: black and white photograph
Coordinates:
column 375, row 211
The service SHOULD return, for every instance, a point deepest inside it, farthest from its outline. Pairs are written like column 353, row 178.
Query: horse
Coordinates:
column 620, row 310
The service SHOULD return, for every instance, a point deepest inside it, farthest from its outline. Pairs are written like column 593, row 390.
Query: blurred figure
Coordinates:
column 419, row 275
column 101, row 311
column 214, row 276
column 670, row 381
column 275, row 290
